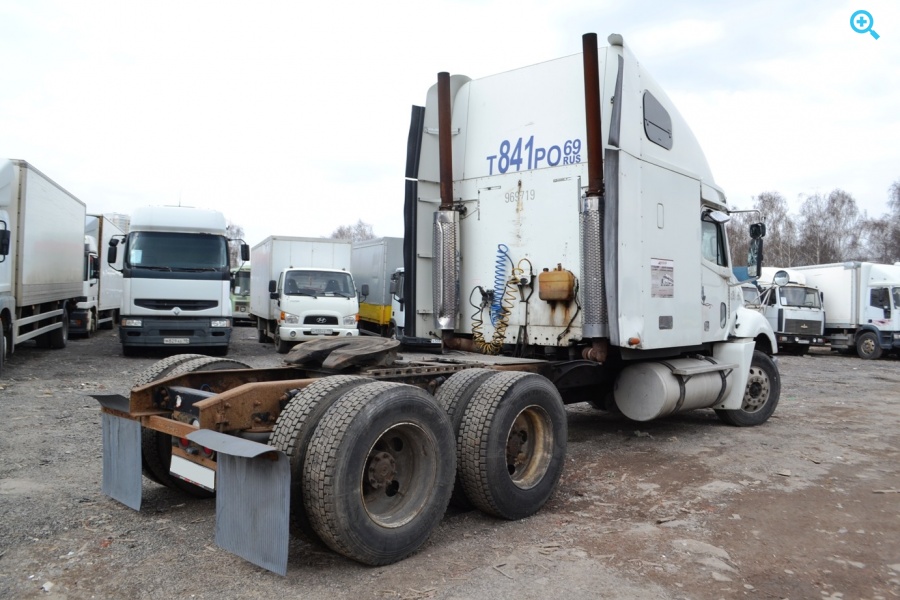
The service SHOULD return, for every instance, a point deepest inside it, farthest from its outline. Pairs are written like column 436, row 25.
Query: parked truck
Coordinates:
column 101, row 298
column 373, row 265
column 604, row 233
column 301, row 289
column 177, row 280
column 792, row 308
column 41, row 250
column 862, row 305
column 240, row 294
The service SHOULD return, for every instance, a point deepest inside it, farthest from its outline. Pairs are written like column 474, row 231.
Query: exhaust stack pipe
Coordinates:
column 445, row 231
column 596, row 322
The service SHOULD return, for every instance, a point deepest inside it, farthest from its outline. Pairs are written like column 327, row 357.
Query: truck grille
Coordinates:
column 803, row 327
column 320, row 320
column 154, row 304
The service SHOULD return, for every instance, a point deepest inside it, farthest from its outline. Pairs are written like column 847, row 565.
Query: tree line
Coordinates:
column 829, row 228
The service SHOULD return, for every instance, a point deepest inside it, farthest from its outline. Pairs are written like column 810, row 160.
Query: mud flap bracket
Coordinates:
column 252, row 499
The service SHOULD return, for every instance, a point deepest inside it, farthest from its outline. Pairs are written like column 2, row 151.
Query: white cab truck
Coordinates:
column 373, row 265
column 240, row 294
column 574, row 193
column 862, row 305
column 176, row 291
column 301, row 289
column 792, row 308
column 41, row 254
column 101, row 299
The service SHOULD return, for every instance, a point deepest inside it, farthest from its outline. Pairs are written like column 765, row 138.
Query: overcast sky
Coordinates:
column 291, row 117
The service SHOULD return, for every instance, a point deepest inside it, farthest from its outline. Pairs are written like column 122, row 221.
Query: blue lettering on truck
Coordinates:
column 524, row 154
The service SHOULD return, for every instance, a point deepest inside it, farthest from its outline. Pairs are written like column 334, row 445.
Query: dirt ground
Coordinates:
column 805, row 506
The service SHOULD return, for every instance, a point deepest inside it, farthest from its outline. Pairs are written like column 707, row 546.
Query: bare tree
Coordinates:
column 357, row 233
column 830, row 228
column 235, row 235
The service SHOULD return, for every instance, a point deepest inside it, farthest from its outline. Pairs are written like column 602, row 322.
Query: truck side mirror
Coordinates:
column 364, row 290
column 245, row 252
column 273, row 294
column 113, row 253
column 4, row 240
column 393, row 287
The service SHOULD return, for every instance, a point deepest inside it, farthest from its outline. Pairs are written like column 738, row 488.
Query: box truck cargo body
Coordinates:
column 862, row 305
column 41, row 254
column 301, row 289
column 374, row 264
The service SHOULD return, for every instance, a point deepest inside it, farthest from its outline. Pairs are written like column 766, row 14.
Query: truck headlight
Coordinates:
column 126, row 322
column 220, row 323
column 289, row 319
column 351, row 320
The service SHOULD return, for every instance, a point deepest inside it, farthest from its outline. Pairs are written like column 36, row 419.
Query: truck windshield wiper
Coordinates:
column 193, row 269
column 341, row 294
column 152, row 268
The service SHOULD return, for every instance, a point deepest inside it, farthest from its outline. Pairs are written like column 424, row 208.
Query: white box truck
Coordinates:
column 101, row 300
column 301, row 289
column 41, row 254
column 591, row 205
column 373, row 266
column 792, row 308
column 862, row 305
column 177, row 280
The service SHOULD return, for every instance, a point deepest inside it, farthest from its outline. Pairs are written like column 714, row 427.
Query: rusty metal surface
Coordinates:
column 343, row 353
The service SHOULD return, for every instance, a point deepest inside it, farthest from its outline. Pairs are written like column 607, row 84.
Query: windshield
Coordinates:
column 799, row 296
column 751, row 294
column 895, row 293
column 167, row 251
column 242, row 283
column 318, row 283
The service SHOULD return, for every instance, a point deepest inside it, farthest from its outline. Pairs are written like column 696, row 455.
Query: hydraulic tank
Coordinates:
column 649, row 390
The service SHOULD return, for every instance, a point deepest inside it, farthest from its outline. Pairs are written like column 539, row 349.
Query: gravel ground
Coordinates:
column 805, row 506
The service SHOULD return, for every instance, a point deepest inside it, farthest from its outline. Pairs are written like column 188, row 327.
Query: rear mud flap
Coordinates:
column 121, row 454
column 252, row 499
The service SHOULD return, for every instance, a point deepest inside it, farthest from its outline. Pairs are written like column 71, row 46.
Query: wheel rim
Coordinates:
column 757, row 392
column 529, row 447
column 868, row 345
column 399, row 475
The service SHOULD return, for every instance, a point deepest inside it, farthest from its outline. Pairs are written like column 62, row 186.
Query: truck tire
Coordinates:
column 114, row 318
column 379, row 472
column 2, row 348
column 159, row 369
column 512, row 444
column 454, row 396
column 868, row 346
column 281, row 346
column 760, row 396
column 156, row 447
column 58, row 338
column 295, row 427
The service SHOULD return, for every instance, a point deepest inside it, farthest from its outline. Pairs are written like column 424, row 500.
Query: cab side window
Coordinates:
column 712, row 243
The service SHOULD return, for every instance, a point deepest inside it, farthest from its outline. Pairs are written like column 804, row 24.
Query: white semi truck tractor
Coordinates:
column 565, row 242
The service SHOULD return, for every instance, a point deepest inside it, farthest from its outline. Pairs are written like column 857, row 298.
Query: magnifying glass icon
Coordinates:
column 861, row 22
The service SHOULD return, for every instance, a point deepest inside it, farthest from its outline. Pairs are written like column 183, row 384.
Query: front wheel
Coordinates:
column 281, row 346
column 58, row 338
column 867, row 346
column 760, row 395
